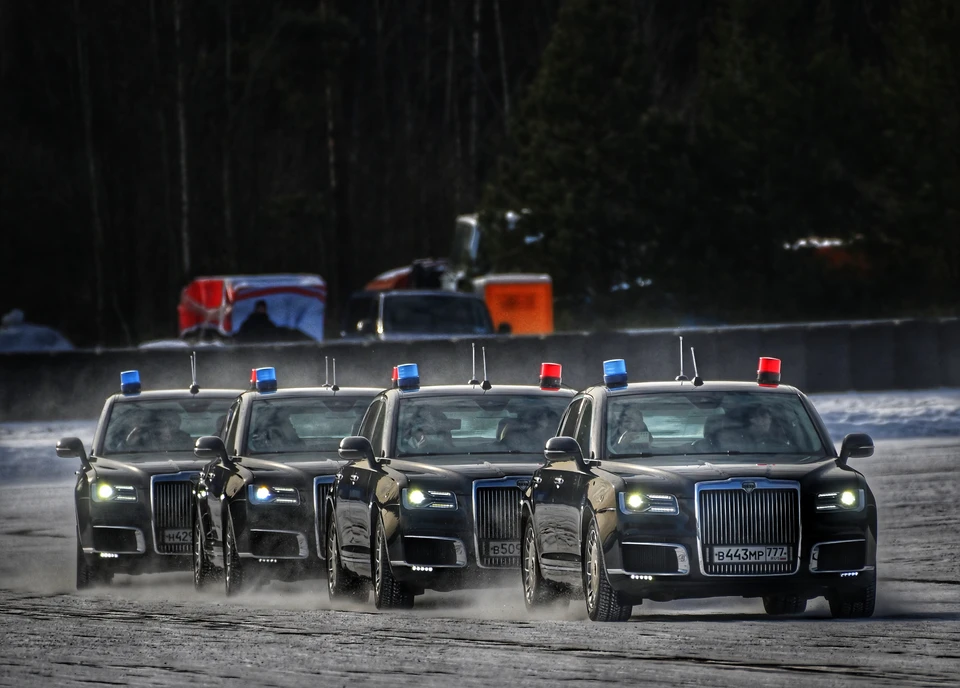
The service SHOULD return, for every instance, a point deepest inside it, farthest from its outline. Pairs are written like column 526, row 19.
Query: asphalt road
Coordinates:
column 155, row 630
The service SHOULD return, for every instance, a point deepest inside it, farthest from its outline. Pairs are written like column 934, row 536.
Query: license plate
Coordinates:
column 753, row 554
column 177, row 537
column 503, row 548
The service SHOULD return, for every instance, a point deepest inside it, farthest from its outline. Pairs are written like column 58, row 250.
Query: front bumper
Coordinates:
column 836, row 551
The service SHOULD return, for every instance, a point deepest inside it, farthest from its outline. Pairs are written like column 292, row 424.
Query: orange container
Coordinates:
column 525, row 302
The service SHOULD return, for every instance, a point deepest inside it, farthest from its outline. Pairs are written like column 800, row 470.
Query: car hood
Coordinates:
column 292, row 467
column 459, row 473
column 137, row 466
column 701, row 470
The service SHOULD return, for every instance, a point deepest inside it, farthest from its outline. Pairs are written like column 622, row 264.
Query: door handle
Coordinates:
column 558, row 481
column 354, row 477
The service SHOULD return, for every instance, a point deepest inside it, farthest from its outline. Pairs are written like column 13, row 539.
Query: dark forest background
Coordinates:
column 666, row 151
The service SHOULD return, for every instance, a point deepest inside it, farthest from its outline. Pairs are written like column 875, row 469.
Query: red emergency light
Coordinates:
column 768, row 372
column 550, row 376
column 394, row 377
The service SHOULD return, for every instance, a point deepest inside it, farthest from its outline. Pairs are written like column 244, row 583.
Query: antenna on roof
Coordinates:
column 335, row 388
column 697, row 380
column 485, row 385
column 681, row 377
column 326, row 371
column 473, row 355
column 194, row 387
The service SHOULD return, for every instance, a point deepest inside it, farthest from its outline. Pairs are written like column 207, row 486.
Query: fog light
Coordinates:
column 635, row 501
column 637, row 576
column 109, row 555
column 104, row 491
column 848, row 498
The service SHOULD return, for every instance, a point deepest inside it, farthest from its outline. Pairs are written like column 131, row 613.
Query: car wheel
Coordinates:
column 341, row 584
column 203, row 570
column 537, row 591
column 603, row 603
column 232, row 568
column 778, row 605
column 855, row 603
column 388, row 592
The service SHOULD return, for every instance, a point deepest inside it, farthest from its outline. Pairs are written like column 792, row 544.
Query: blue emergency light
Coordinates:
column 615, row 373
column 130, row 382
column 266, row 379
column 408, row 376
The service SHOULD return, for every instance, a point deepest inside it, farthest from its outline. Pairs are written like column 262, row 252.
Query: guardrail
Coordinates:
column 817, row 357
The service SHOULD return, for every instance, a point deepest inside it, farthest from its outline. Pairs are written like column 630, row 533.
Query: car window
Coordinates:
column 231, row 423
column 568, row 427
column 370, row 418
column 586, row 422
column 360, row 307
column 302, row 424
column 495, row 424
column 162, row 425
column 434, row 314
column 731, row 423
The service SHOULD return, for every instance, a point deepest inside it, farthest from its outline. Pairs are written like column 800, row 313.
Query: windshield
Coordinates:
column 494, row 424
column 435, row 314
column 303, row 424
column 162, row 425
column 733, row 423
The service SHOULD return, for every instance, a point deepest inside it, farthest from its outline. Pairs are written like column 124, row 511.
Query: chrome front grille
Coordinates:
column 748, row 513
column 496, row 510
column 172, row 503
column 321, row 490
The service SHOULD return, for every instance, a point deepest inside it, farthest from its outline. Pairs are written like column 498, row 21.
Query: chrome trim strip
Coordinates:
column 759, row 484
column 815, row 553
column 138, row 534
column 301, row 544
column 683, row 560
column 320, row 480
column 182, row 476
column 458, row 548
column 509, row 481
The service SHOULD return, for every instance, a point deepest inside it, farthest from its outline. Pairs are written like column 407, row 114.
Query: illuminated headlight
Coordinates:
column 105, row 492
column 844, row 500
column 416, row 498
column 268, row 494
column 641, row 503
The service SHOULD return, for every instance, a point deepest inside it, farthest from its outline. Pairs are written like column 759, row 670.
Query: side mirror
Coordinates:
column 366, row 327
column 356, row 448
column 72, row 448
column 210, row 447
column 504, row 328
column 562, row 449
column 856, row 445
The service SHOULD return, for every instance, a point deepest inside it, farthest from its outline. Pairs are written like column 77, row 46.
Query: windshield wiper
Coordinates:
column 641, row 455
column 502, row 451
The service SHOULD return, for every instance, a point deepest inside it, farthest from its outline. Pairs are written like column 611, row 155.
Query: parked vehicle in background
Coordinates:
column 415, row 314
column 19, row 336
column 230, row 308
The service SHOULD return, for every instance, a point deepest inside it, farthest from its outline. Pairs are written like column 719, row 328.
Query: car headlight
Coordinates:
column 843, row 500
column 635, row 502
column 106, row 492
column 416, row 498
column 269, row 494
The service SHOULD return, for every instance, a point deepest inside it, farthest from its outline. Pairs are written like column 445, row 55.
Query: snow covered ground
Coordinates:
column 27, row 449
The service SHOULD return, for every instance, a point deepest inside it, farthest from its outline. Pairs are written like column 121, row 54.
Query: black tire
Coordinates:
column 341, row 584
column 855, row 603
column 204, row 572
column 603, row 603
column 233, row 574
column 780, row 605
column 537, row 591
column 388, row 592
column 89, row 575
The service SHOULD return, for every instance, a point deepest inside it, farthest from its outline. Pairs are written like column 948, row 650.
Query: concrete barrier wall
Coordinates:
column 817, row 357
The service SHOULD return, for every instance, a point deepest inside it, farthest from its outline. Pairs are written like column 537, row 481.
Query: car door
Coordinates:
column 217, row 473
column 546, row 484
column 568, row 485
column 353, row 497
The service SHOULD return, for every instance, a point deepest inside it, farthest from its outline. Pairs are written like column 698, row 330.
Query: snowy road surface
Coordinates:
column 155, row 630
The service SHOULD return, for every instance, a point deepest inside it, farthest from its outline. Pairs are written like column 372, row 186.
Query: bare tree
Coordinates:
column 83, row 69
column 503, row 66
column 182, row 121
